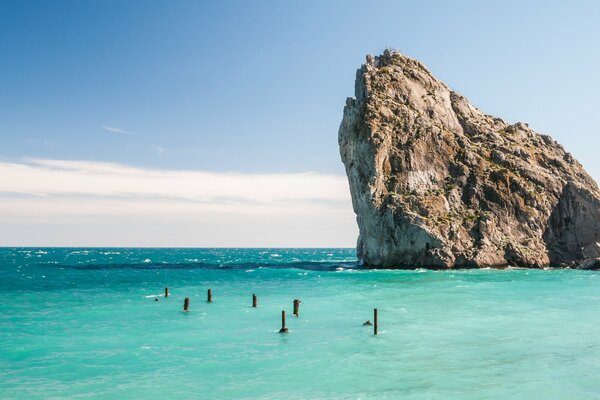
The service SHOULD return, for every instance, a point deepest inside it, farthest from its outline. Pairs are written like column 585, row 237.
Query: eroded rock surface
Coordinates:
column 436, row 183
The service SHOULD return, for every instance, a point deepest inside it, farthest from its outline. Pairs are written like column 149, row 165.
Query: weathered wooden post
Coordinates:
column 283, row 327
column 375, row 321
column 254, row 301
column 296, row 307
column 209, row 296
column 186, row 304
column 166, row 292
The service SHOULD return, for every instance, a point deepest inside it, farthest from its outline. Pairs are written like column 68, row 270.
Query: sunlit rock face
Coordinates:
column 436, row 183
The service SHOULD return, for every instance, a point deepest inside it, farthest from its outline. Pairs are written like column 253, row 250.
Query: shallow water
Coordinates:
column 83, row 323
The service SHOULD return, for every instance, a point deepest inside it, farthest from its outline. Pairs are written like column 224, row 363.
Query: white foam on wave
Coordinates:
column 352, row 270
column 147, row 260
column 84, row 252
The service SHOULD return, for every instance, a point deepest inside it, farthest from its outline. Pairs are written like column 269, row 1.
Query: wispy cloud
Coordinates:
column 113, row 129
column 141, row 206
column 36, row 141
column 159, row 150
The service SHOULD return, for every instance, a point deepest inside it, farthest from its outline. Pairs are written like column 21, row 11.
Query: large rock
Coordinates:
column 437, row 183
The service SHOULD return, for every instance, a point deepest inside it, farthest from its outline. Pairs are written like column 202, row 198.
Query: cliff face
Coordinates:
column 437, row 183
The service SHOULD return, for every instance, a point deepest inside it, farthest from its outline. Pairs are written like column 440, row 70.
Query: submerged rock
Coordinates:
column 436, row 183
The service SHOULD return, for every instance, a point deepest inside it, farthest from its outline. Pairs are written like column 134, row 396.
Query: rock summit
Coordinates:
column 436, row 183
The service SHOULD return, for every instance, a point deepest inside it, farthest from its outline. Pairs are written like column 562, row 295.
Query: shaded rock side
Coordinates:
column 436, row 183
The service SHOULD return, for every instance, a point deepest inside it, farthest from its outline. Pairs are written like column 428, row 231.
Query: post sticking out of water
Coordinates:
column 283, row 328
column 375, row 321
column 254, row 301
column 296, row 306
column 166, row 292
column 186, row 304
column 209, row 296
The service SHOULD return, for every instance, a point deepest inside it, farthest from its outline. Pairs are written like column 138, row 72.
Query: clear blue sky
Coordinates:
column 259, row 87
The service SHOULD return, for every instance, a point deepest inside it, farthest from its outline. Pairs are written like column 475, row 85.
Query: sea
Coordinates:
column 93, row 323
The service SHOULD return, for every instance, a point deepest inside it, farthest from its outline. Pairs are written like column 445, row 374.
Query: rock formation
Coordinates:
column 437, row 183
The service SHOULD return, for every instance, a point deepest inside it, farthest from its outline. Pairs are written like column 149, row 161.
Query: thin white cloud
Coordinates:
column 113, row 129
column 82, row 202
column 158, row 149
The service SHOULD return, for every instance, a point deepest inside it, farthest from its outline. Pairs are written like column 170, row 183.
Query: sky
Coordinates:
column 203, row 124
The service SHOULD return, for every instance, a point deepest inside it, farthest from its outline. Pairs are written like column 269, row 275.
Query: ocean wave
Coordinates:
column 148, row 264
column 84, row 252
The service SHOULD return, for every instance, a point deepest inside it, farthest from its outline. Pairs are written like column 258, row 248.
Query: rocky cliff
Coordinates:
column 437, row 183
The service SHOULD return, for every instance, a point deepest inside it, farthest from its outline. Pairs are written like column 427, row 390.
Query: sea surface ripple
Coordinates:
column 84, row 323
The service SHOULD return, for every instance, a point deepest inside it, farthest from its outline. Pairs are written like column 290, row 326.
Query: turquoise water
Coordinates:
column 83, row 323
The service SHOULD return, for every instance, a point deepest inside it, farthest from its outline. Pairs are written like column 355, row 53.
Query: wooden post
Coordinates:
column 209, row 296
column 296, row 306
column 375, row 321
column 283, row 328
column 186, row 304
column 254, row 301
column 166, row 292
